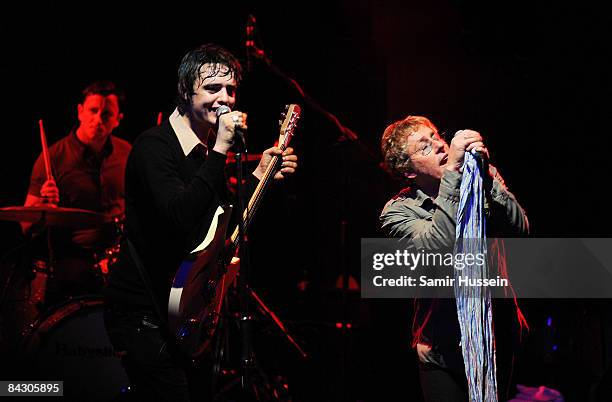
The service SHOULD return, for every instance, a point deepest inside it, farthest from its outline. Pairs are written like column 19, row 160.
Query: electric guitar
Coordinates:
column 201, row 282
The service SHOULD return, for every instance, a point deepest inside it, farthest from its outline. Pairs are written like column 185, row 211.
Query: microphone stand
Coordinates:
column 347, row 135
column 252, row 379
column 245, row 317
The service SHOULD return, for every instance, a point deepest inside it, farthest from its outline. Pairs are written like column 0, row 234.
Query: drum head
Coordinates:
column 70, row 344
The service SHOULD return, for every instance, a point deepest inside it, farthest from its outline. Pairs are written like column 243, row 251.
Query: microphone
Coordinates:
column 481, row 161
column 223, row 109
column 480, row 157
column 483, row 166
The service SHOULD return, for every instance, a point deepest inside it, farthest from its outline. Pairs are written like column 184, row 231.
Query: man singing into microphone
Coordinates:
column 425, row 213
column 174, row 183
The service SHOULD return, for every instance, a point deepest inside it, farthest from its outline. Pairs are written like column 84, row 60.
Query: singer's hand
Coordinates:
column 49, row 193
column 287, row 167
column 227, row 126
column 464, row 141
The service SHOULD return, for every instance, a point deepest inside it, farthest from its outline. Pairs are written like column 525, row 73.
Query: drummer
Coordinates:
column 87, row 173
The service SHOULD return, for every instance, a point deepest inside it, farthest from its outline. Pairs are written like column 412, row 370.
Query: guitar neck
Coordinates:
column 256, row 198
column 290, row 118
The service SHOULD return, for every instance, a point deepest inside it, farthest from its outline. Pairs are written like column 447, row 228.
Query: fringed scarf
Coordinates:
column 474, row 310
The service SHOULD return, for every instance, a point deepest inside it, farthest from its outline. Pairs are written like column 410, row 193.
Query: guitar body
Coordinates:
column 198, row 289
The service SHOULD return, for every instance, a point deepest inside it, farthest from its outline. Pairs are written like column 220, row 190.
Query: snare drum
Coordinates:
column 70, row 344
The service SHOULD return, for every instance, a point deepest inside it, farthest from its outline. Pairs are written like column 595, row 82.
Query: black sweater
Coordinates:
column 170, row 201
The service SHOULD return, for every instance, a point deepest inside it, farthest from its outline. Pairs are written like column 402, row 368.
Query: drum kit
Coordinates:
column 66, row 340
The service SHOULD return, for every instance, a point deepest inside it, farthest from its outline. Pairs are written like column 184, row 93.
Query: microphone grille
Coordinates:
column 222, row 110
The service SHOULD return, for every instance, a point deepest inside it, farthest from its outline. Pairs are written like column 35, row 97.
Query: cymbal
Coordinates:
column 54, row 216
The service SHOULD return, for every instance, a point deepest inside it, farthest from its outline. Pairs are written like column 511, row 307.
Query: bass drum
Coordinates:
column 70, row 344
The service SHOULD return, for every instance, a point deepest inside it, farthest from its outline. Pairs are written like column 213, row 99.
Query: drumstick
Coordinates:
column 160, row 116
column 45, row 150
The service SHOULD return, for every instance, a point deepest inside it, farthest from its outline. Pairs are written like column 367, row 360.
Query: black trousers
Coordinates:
column 154, row 372
column 442, row 385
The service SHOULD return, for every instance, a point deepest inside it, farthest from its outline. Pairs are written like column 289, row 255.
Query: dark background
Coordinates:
column 532, row 78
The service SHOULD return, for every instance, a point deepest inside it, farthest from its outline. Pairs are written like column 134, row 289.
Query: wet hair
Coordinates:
column 104, row 88
column 393, row 144
column 189, row 70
